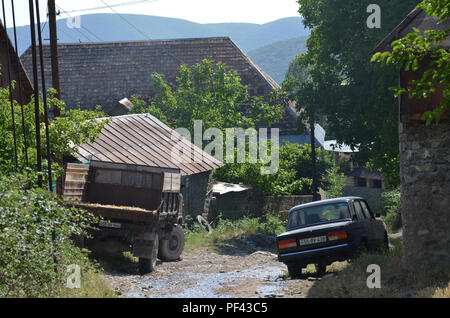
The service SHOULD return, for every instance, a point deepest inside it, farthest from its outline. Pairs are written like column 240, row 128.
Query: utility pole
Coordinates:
column 55, row 74
column 36, row 92
column 54, row 52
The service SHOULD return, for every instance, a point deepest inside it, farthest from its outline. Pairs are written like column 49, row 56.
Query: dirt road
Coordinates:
column 246, row 273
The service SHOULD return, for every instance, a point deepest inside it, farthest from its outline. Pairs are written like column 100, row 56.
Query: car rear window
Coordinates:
column 318, row 214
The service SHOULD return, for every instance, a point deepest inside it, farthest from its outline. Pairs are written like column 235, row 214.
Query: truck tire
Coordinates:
column 147, row 265
column 171, row 249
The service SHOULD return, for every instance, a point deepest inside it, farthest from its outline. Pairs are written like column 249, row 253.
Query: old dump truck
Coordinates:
column 140, row 209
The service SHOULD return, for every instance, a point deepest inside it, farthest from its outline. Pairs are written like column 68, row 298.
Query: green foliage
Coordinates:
column 224, row 230
column 29, row 219
column 422, row 50
column 349, row 90
column 337, row 181
column 208, row 92
column 391, row 209
column 72, row 129
column 293, row 176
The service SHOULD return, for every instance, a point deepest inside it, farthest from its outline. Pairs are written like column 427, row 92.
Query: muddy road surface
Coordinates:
column 240, row 272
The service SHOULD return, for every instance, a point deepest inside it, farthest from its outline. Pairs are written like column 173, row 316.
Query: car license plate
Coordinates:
column 312, row 240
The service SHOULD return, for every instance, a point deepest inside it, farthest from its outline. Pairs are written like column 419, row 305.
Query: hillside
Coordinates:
column 271, row 45
column 110, row 27
column 274, row 58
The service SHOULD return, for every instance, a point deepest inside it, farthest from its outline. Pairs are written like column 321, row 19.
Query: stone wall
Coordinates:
column 234, row 205
column 425, row 187
column 372, row 195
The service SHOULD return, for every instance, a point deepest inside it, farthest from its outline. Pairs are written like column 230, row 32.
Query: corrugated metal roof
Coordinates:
column 143, row 140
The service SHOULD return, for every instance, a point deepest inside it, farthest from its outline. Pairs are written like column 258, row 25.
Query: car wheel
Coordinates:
column 386, row 241
column 321, row 268
column 170, row 250
column 294, row 270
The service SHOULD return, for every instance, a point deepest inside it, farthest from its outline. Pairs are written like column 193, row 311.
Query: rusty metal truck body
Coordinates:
column 140, row 209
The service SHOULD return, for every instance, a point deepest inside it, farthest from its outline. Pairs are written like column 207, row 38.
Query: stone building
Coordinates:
column 424, row 162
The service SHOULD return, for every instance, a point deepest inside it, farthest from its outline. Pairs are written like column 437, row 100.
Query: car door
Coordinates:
column 367, row 233
column 377, row 226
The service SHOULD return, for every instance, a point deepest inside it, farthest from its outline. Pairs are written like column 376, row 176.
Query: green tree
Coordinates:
column 293, row 176
column 353, row 90
column 301, row 88
column 209, row 92
column 423, row 49
column 72, row 129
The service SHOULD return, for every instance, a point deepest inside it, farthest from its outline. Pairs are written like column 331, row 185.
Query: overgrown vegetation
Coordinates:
column 36, row 247
column 35, row 228
column 350, row 282
column 293, row 176
column 391, row 209
column 225, row 230
column 210, row 92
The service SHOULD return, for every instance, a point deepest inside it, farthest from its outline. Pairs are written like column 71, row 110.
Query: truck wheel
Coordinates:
column 294, row 270
column 171, row 249
column 147, row 265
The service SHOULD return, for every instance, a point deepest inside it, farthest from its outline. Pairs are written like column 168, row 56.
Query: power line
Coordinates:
column 111, row 6
column 123, row 18
column 84, row 28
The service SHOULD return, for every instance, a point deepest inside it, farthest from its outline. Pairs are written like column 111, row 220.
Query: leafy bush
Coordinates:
column 35, row 239
column 391, row 209
column 293, row 176
column 226, row 229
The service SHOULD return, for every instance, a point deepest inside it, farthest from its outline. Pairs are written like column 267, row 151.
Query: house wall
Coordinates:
column 425, row 187
column 372, row 195
column 234, row 205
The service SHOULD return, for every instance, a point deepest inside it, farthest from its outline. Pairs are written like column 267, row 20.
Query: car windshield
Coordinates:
column 318, row 214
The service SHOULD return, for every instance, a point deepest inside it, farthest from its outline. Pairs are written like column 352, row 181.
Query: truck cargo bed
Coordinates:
column 125, row 213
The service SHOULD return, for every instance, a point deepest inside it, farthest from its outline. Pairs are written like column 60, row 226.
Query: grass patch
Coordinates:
column 224, row 231
column 351, row 281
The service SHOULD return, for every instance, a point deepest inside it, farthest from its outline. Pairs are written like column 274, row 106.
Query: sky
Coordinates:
column 200, row 11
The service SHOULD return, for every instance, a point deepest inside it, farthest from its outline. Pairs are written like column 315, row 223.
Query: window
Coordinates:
column 377, row 184
column 366, row 209
column 359, row 211
column 318, row 214
column 361, row 182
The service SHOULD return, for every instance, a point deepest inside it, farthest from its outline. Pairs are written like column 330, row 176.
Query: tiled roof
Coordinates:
column 103, row 73
column 143, row 140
